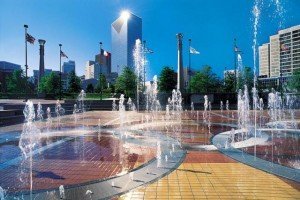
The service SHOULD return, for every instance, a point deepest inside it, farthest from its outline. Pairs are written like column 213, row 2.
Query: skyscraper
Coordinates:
column 124, row 32
column 68, row 66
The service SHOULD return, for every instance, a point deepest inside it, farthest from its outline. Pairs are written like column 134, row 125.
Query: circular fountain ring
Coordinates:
column 145, row 174
column 221, row 139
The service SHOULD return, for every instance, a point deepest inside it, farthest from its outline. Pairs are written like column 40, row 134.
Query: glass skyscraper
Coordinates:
column 124, row 32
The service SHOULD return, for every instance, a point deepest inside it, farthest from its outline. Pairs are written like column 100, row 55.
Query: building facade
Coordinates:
column 280, row 58
column 264, row 58
column 6, row 69
column 104, row 59
column 124, row 33
column 69, row 66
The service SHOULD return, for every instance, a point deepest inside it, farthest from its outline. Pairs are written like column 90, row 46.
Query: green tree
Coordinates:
column 102, row 84
column 126, row 82
column 74, row 83
column 245, row 78
column 90, row 88
column 49, row 84
column 294, row 83
column 205, row 81
column 229, row 82
column 16, row 82
column 167, row 79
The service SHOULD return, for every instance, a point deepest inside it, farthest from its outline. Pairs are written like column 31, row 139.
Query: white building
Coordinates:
column 280, row 57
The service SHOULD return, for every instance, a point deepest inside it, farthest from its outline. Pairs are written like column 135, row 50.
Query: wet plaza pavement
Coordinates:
column 92, row 156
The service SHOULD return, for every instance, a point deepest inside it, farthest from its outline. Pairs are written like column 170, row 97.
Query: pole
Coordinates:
column 180, row 84
column 234, row 51
column 26, row 66
column 189, row 69
column 144, row 42
column 60, row 71
column 100, row 71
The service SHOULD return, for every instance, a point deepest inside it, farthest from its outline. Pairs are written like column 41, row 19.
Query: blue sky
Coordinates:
column 79, row 25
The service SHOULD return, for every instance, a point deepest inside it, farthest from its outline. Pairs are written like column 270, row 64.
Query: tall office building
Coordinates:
column 69, row 66
column 124, row 32
column 104, row 59
column 280, row 57
column 264, row 57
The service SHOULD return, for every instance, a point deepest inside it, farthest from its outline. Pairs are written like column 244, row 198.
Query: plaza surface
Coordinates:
column 92, row 155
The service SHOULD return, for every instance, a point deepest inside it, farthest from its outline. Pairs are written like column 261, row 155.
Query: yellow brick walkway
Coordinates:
column 216, row 181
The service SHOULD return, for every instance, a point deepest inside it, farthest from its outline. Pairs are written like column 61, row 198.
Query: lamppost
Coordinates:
column 60, row 71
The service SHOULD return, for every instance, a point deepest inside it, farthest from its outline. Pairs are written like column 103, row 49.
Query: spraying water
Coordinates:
column 139, row 63
column 39, row 112
column 29, row 140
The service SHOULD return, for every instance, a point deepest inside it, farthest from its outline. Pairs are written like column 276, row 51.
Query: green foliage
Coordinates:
column 205, row 81
column 245, row 78
column 74, row 83
column 294, row 83
column 102, row 84
column 16, row 82
column 49, row 84
column 90, row 88
column 229, row 82
column 167, row 80
column 126, row 82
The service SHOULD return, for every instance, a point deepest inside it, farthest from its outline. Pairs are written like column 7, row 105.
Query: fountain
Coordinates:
column 62, row 192
column 114, row 105
column 39, row 112
column 59, row 110
column 80, row 101
column 139, row 63
column 2, row 193
column 29, row 141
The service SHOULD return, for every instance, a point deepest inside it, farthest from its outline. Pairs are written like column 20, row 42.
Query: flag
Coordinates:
column 147, row 50
column 194, row 51
column 284, row 47
column 30, row 38
column 62, row 54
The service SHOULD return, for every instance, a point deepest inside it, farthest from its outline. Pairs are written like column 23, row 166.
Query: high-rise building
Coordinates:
column 104, row 59
column 124, row 32
column 69, row 66
column 264, row 57
column 280, row 57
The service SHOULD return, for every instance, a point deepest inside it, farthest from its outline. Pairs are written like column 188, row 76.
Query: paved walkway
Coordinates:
column 211, row 175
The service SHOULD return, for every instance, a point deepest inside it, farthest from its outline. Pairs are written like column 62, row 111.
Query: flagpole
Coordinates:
column 235, row 79
column 60, row 71
column 100, row 71
column 189, row 70
column 26, row 66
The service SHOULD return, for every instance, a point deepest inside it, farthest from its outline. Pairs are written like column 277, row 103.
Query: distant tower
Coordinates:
column 42, row 61
column 124, row 32
column 180, row 81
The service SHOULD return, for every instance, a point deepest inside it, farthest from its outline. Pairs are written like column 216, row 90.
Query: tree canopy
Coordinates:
column 16, row 82
column 126, row 82
column 74, row 83
column 102, row 84
column 294, row 83
column 167, row 80
column 205, row 81
column 49, row 84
